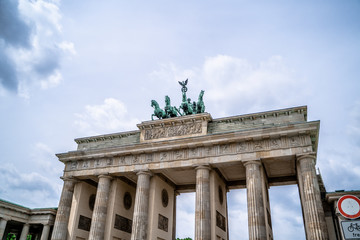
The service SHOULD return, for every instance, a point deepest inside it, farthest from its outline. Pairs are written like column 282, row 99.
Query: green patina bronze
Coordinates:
column 186, row 108
column 170, row 110
column 158, row 112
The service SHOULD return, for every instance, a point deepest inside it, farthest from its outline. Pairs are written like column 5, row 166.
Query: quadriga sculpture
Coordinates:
column 186, row 105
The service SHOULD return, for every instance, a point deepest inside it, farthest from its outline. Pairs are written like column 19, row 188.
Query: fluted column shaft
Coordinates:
column 98, row 221
column 45, row 232
column 3, row 223
column 202, row 204
column 310, row 199
column 141, row 207
column 174, row 216
column 60, row 230
column 255, row 201
column 25, row 231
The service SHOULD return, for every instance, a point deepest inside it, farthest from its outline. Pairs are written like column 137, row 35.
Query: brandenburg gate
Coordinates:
column 124, row 185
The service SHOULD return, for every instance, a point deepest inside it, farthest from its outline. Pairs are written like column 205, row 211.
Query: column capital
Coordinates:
column 105, row 176
column 144, row 172
column 69, row 179
column 300, row 157
column 256, row 161
column 202, row 166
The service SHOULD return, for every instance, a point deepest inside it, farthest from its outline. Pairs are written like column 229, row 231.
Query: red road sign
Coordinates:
column 349, row 206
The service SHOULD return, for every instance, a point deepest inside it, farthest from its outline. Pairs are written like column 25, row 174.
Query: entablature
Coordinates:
column 256, row 136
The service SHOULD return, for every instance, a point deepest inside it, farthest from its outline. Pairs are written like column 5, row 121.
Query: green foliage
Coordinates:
column 184, row 238
column 11, row 236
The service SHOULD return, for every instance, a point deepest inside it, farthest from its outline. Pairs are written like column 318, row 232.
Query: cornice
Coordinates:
column 104, row 137
column 273, row 113
column 334, row 196
column 24, row 210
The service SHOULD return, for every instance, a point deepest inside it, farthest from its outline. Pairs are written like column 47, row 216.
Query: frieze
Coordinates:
column 73, row 165
column 275, row 143
column 109, row 161
column 149, row 158
column 85, row 164
column 122, row 160
column 226, row 148
column 173, row 131
column 196, row 152
column 242, row 147
column 209, row 151
column 97, row 163
column 135, row 159
column 294, row 141
column 163, row 156
column 179, row 154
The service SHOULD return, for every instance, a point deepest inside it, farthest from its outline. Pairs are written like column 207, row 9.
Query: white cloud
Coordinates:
column 170, row 73
column 52, row 81
column 45, row 160
column 110, row 116
column 237, row 81
column 30, row 188
column 33, row 56
column 46, row 14
column 238, row 217
column 68, row 46
column 185, row 215
column 286, row 213
column 354, row 127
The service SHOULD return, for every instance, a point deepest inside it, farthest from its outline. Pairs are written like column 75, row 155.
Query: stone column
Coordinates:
column 255, row 201
column 313, row 211
column 45, row 232
column 3, row 223
column 141, row 207
column 176, row 193
column 25, row 231
column 98, row 220
column 60, row 231
column 202, row 204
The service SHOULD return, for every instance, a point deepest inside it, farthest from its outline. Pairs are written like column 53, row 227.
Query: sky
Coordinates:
column 71, row 69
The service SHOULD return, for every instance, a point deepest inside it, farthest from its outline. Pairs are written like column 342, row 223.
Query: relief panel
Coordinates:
column 123, row 223
column 84, row 223
column 163, row 223
column 173, row 131
column 220, row 221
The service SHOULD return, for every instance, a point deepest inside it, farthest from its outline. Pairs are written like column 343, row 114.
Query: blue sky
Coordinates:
column 71, row 69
